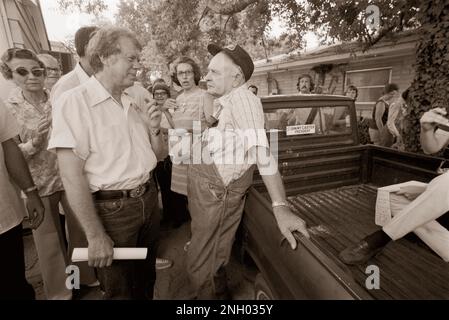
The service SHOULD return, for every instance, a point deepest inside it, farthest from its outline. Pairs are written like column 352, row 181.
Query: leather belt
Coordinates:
column 123, row 194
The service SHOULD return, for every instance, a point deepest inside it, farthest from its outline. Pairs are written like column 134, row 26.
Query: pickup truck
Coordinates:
column 331, row 182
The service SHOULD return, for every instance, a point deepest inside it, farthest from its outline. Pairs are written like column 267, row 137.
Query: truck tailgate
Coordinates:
column 342, row 216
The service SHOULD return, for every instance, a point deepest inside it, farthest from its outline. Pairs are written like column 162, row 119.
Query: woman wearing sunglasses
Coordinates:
column 29, row 103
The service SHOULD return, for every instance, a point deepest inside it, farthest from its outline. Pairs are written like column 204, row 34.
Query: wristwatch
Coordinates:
column 276, row 204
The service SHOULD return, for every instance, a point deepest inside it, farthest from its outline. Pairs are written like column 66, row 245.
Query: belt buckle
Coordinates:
column 137, row 192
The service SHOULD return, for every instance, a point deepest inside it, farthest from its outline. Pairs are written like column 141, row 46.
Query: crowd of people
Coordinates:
column 91, row 150
column 93, row 147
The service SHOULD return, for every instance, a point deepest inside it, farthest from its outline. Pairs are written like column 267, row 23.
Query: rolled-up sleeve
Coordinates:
column 70, row 129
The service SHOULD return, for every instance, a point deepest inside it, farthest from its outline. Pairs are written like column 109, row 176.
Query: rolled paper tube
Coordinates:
column 81, row 254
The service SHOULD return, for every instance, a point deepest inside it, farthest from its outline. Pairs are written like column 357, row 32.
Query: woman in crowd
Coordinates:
column 29, row 103
column 193, row 104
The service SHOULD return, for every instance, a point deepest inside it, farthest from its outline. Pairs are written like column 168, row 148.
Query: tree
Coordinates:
column 174, row 27
column 186, row 27
column 430, row 87
column 89, row 6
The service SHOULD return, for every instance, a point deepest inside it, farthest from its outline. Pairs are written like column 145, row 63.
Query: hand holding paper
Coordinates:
column 411, row 192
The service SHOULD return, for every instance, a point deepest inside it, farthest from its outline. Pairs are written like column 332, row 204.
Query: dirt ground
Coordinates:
column 171, row 284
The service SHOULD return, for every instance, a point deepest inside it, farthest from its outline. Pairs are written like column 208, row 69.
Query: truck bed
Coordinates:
column 342, row 216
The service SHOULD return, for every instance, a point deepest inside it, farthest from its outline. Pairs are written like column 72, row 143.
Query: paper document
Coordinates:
column 383, row 201
column 80, row 254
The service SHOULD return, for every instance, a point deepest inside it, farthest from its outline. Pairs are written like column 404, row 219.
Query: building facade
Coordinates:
column 336, row 67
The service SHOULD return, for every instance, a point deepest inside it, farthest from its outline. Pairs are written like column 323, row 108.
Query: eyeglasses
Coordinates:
column 53, row 70
column 184, row 73
column 37, row 72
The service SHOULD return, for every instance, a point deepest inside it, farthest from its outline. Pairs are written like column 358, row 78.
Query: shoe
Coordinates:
column 163, row 263
column 186, row 246
column 358, row 253
column 93, row 284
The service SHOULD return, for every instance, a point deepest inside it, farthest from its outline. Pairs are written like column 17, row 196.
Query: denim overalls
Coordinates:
column 216, row 211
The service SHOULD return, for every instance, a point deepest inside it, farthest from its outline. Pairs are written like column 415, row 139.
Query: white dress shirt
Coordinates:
column 113, row 140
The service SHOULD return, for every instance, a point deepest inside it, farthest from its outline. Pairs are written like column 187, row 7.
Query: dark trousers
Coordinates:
column 131, row 222
column 13, row 284
column 175, row 211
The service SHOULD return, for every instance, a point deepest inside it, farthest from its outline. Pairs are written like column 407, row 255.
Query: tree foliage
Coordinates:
column 95, row 7
column 174, row 28
column 184, row 27
column 430, row 87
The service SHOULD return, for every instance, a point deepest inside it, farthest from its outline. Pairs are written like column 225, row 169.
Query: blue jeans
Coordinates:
column 131, row 222
column 216, row 211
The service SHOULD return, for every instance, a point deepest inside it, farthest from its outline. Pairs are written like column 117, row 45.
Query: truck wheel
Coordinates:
column 261, row 289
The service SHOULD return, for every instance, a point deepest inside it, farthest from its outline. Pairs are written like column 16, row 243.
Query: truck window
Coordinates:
column 325, row 120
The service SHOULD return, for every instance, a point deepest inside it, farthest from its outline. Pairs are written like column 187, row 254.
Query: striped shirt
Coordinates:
column 191, row 108
column 240, row 128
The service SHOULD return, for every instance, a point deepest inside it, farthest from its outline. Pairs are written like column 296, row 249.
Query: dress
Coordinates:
column 191, row 108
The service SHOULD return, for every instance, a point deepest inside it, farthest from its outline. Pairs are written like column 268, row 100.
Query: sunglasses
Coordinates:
column 37, row 72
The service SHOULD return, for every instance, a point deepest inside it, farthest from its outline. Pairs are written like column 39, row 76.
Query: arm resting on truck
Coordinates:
column 287, row 220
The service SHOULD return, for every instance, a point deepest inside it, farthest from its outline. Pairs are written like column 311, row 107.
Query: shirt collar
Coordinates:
column 80, row 73
column 224, row 99
column 96, row 94
column 16, row 96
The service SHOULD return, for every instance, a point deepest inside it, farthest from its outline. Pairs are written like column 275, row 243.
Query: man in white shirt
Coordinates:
column 218, row 185
column 106, row 156
column 13, row 167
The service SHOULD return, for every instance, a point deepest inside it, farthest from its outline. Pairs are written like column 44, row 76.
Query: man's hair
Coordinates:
column 253, row 86
column 158, row 80
column 195, row 67
column 305, row 75
column 19, row 54
column 390, row 88
column 105, row 43
column 161, row 86
column 351, row 87
column 82, row 37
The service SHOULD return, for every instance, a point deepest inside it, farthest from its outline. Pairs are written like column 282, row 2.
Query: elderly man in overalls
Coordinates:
column 218, row 185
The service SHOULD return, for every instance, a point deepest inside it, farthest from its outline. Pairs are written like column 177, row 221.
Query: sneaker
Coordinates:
column 163, row 263
column 186, row 246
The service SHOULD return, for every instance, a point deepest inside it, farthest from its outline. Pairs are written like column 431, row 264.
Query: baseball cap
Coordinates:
column 238, row 55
